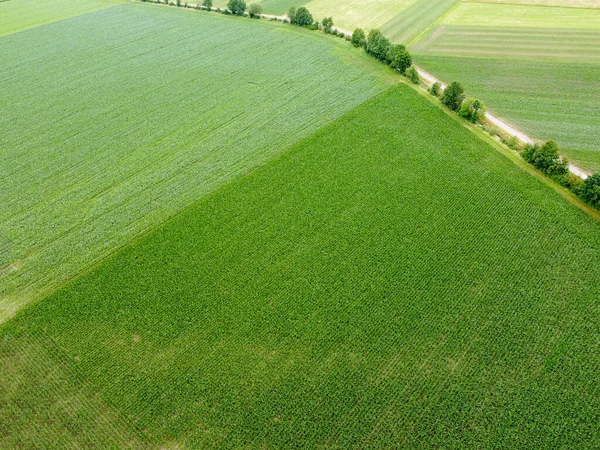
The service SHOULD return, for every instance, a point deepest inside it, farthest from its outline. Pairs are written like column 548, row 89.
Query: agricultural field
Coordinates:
column 218, row 232
column 332, row 298
column 536, row 66
column 117, row 120
column 18, row 15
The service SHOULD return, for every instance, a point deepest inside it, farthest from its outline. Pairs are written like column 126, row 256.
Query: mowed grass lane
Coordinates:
column 539, row 43
column 117, row 120
column 391, row 281
column 409, row 24
column 19, row 15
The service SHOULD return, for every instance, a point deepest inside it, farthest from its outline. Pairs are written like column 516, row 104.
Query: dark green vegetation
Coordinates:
column 116, row 120
column 353, row 292
column 547, row 99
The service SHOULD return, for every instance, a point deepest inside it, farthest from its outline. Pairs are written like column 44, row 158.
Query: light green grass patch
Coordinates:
column 392, row 279
column 505, row 15
column 409, row 24
column 349, row 14
column 18, row 15
column 117, row 120
column 547, row 99
column 539, row 43
column 563, row 3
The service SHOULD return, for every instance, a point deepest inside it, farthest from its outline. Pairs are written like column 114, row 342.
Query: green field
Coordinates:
column 545, row 98
column 122, row 118
column 536, row 66
column 336, row 297
column 529, row 16
column 18, row 15
column 546, row 44
column 566, row 3
column 350, row 14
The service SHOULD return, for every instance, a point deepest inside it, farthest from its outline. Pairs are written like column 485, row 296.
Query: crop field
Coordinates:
column 116, row 120
column 536, row 66
column 18, row 15
column 335, row 297
column 566, row 3
column 528, row 16
column 350, row 14
column 547, row 44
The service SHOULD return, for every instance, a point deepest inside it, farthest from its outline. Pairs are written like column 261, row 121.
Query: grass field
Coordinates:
column 537, row 66
column 117, row 120
column 565, row 3
column 528, row 16
column 350, row 14
column 546, row 43
column 18, row 15
column 545, row 98
column 345, row 295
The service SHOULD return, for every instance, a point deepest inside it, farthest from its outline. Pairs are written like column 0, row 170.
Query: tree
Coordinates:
column 472, row 110
column 358, row 38
column 292, row 14
column 207, row 4
column 453, row 96
column 412, row 74
column 303, row 17
column 547, row 159
column 589, row 191
column 435, row 89
column 236, row 7
column 399, row 57
column 327, row 24
column 378, row 45
column 255, row 10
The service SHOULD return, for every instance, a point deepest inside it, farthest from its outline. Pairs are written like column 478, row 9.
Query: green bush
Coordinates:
column 399, row 58
column 413, row 75
column 378, row 45
column 358, row 38
column 303, row 17
column 435, row 89
column 237, row 7
column 255, row 10
column 453, row 96
column 589, row 190
column 473, row 110
column 207, row 4
column 327, row 24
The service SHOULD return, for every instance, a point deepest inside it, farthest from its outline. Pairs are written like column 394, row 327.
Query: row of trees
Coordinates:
column 377, row 45
column 548, row 160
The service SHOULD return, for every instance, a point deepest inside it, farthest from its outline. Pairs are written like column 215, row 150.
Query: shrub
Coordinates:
column 513, row 143
column 358, row 38
column 453, row 96
column 207, row 4
column 472, row 110
column 399, row 58
column 236, row 7
column 435, row 89
column 413, row 75
column 547, row 159
column 378, row 45
column 589, row 190
column 327, row 24
column 255, row 10
column 303, row 17
column 292, row 14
